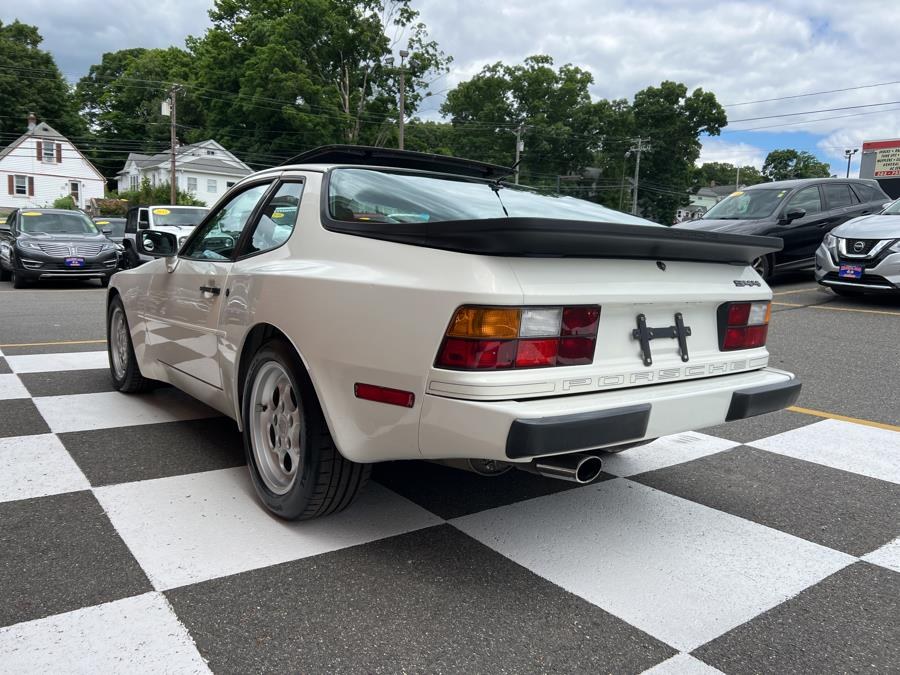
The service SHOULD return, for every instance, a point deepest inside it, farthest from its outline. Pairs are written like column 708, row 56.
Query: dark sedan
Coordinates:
column 799, row 212
column 54, row 244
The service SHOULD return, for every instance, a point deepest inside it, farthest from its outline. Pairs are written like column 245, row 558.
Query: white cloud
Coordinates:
column 739, row 154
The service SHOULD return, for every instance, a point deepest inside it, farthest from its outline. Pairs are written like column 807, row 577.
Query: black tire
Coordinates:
column 324, row 482
column 130, row 259
column 104, row 282
column 763, row 266
column 130, row 381
column 18, row 281
column 4, row 274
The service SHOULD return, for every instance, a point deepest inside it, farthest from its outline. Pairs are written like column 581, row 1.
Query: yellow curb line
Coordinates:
column 50, row 344
column 843, row 418
column 838, row 309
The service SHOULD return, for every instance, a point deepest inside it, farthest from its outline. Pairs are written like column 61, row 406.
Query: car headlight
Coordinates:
column 120, row 248
column 895, row 247
column 28, row 244
column 109, row 246
column 831, row 243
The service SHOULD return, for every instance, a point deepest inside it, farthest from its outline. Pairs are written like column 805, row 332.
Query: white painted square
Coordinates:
column 140, row 634
column 201, row 526
column 51, row 363
column 36, row 466
column 12, row 387
column 683, row 572
column 841, row 445
column 886, row 556
column 682, row 664
column 106, row 410
column 663, row 452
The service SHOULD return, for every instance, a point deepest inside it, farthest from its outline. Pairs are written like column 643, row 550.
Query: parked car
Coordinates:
column 862, row 255
column 497, row 328
column 114, row 229
column 54, row 244
column 799, row 212
column 177, row 220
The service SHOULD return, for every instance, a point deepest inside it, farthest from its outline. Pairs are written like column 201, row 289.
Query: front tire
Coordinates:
column 17, row 280
column 296, row 469
column 123, row 367
column 763, row 267
column 4, row 274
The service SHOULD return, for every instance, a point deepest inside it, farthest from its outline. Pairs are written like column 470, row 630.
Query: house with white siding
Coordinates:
column 42, row 165
column 205, row 169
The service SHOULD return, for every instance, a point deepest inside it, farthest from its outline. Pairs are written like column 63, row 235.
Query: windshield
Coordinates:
column 115, row 225
column 368, row 195
column 34, row 222
column 177, row 217
column 749, row 205
column 893, row 209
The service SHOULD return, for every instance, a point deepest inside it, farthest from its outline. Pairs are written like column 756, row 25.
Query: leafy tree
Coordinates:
column 67, row 202
column 673, row 119
column 157, row 194
column 31, row 82
column 428, row 136
column 724, row 173
column 280, row 76
column 789, row 163
column 559, row 124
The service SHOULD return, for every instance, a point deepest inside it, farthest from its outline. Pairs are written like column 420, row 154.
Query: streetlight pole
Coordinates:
column 640, row 147
column 848, row 153
column 403, row 55
column 173, row 194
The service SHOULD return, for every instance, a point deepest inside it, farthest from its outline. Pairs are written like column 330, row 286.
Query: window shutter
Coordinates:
column 30, row 186
column 40, row 150
column 12, row 185
column 59, row 153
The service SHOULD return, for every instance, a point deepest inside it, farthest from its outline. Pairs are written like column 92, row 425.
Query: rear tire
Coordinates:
column 123, row 367
column 296, row 469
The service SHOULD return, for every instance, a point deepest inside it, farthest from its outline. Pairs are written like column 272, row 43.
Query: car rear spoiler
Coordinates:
column 553, row 238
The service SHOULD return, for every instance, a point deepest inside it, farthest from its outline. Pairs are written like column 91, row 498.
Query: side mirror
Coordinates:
column 157, row 244
column 143, row 221
column 793, row 215
column 107, row 231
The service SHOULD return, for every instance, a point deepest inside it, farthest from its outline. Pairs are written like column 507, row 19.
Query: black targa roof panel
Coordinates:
column 362, row 155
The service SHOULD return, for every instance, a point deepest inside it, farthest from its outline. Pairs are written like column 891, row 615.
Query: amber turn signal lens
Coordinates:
column 485, row 322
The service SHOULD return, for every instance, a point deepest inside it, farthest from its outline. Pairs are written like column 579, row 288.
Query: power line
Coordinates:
column 813, row 112
column 814, row 93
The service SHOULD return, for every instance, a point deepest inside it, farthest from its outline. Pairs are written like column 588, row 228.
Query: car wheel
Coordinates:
column 296, row 469
column 123, row 367
column 763, row 267
column 104, row 282
column 17, row 280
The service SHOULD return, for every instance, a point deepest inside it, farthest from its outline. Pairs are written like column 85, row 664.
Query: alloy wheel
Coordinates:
column 118, row 342
column 275, row 425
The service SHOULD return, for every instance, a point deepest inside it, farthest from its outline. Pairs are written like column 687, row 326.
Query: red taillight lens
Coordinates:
column 547, row 336
column 371, row 392
column 744, row 325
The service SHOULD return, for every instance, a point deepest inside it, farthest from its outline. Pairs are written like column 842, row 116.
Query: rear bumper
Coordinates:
column 520, row 430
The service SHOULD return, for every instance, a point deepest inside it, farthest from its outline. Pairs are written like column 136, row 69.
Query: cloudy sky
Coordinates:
column 741, row 51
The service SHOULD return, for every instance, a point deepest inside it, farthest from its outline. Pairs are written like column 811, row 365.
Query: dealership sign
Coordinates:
column 887, row 157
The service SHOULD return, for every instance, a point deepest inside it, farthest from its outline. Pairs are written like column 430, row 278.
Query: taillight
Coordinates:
column 743, row 325
column 498, row 338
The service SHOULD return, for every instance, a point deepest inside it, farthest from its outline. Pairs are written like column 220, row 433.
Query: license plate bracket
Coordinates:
column 848, row 271
column 74, row 262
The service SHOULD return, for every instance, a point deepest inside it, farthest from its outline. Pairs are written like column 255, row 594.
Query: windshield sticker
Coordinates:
column 736, row 194
column 32, row 213
column 161, row 212
column 102, row 222
column 278, row 215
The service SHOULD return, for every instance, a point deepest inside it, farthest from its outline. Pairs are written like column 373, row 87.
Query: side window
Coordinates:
column 807, row 199
column 221, row 232
column 277, row 220
column 837, row 195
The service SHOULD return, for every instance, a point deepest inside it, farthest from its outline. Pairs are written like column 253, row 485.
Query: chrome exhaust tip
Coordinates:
column 576, row 468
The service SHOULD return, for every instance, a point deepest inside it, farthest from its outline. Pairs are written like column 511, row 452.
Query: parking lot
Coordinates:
column 130, row 538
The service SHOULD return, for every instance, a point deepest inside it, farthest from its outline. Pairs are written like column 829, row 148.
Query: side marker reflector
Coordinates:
column 371, row 392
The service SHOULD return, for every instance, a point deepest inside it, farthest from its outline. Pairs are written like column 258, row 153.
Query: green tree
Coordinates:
column 280, row 76
column 673, row 119
column 120, row 98
column 552, row 107
column 31, row 82
column 787, row 164
column 724, row 173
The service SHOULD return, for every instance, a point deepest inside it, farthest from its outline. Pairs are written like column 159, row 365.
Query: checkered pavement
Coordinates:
column 131, row 541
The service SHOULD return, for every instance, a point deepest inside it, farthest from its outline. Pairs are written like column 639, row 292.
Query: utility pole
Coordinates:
column 403, row 55
column 520, row 146
column 848, row 153
column 173, row 195
column 638, row 148
column 622, row 188
column 737, row 180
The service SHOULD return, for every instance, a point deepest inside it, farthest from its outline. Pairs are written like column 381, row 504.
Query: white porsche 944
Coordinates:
column 367, row 304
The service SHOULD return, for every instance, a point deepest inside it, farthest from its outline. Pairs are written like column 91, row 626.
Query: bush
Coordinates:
column 158, row 194
column 67, row 202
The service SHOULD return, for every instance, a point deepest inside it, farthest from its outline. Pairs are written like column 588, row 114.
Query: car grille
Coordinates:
column 66, row 250
column 865, row 245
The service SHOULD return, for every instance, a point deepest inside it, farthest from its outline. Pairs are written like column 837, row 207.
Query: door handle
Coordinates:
column 215, row 290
